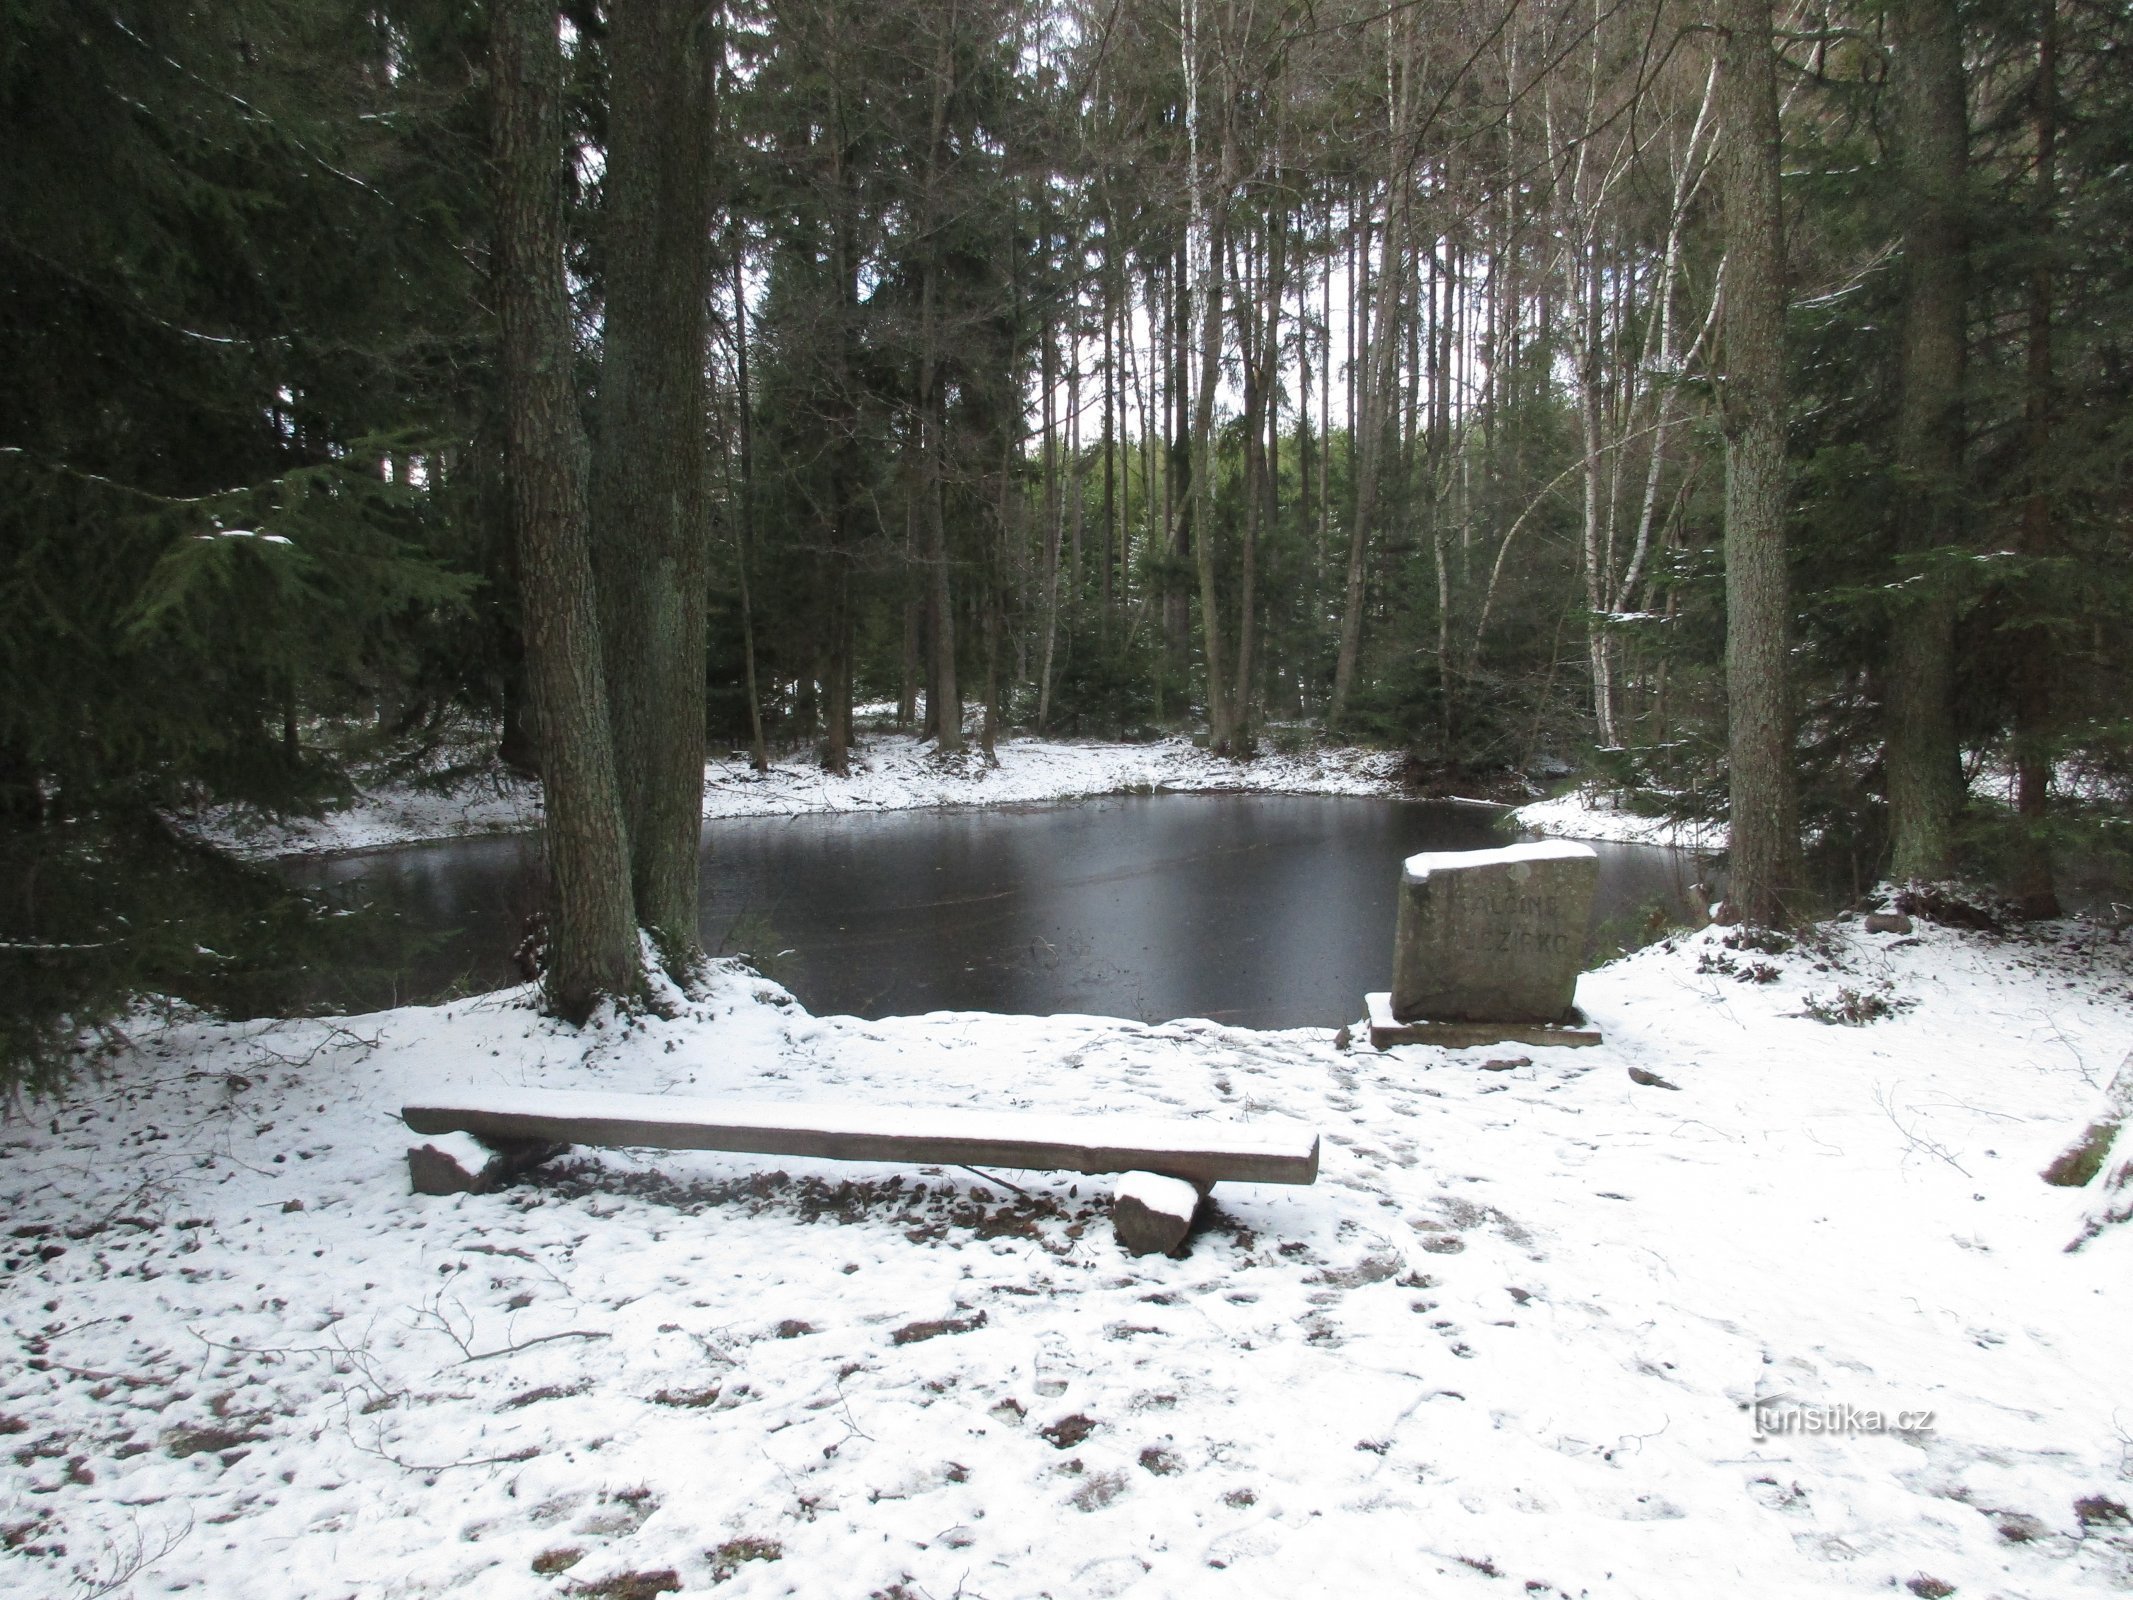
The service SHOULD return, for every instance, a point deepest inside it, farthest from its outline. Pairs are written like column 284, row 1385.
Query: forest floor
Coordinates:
column 1510, row 1344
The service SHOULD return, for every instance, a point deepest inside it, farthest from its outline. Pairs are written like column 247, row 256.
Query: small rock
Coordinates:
column 1069, row 1431
column 1152, row 1213
column 1507, row 1063
column 2097, row 1510
column 1888, row 922
column 1163, row 1463
column 934, row 1328
column 2019, row 1527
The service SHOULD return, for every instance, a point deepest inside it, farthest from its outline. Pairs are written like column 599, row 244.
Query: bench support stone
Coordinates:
column 459, row 1163
column 1152, row 1213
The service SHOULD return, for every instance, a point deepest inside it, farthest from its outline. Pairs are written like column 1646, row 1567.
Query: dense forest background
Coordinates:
column 1097, row 367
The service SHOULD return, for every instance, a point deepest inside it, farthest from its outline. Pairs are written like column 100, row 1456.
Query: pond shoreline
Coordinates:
column 900, row 772
column 1268, row 908
column 888, row 772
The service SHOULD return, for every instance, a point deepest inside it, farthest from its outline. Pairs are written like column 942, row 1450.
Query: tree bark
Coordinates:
column 1207, row 236
column 1054, row 508
column 1764, row 867
column 758, row 753
column 1258, row 319
column 1377, row 392
column 2035, row 891
column 592, row 924
column 1923, row 766
column 649, row 471
column 944, row 704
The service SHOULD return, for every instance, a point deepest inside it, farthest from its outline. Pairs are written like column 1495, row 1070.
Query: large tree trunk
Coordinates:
column 1764, row 865
column 649, row 510
column 592, row 932
column 1924, row 768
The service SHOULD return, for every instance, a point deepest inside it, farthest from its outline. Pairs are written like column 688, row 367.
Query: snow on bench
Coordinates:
column 526, row 1125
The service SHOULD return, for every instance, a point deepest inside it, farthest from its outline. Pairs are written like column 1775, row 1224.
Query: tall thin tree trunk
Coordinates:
column 1076, row 511
column 2035, row 665
column 650, row 517
column 1262, row 435
column 1599, row 579
column 1178, row 480
column 758, row 752
column 592, row 923
column 1686, row 183
column 1377, row 391
column 1110, row 434
column 1207, row 236
column 907, row 688
column 1924, row 767
column 1054, row 511
column 837, row 666
column 840, row 425
column 944, row 704
column 1764, row 861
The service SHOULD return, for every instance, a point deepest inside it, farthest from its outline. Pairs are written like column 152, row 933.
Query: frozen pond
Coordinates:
column 1261, row 910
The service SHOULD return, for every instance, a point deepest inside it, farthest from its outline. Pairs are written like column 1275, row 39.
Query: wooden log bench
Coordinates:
column 1168, row 1165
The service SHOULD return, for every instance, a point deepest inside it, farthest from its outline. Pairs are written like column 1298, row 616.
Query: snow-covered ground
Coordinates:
column 889, row 772
column 1509, row 1344
column 1592, row 812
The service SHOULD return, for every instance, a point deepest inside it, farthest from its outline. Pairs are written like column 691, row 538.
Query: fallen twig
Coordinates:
column 516, row 1346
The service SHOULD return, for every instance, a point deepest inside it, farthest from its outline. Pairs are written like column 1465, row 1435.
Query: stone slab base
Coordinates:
column 1387, row 1031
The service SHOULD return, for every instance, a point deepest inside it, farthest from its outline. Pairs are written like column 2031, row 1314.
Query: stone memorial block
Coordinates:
column 1493, row 936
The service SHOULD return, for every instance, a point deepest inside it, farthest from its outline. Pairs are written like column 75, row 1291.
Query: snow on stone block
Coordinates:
column 1152, row 1213
column 1428, row 861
